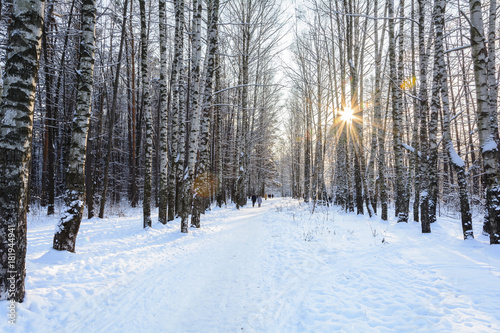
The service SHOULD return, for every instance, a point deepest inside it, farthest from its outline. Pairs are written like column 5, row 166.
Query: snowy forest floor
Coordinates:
column 271, row 269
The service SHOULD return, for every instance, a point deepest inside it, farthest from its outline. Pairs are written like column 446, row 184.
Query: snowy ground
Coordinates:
column 271, row 269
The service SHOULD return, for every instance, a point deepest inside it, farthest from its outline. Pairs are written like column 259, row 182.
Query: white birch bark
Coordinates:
column 423, row 114
column 74, row 195
column 176, row 122
column 146, row 103
column 489, row 148
column 213, row 16
column 492, row 79
column 441, row 77
column 194, row 111
column 16, row 130
column 380, row 128
column 401, row 213
column 163, row 195
column 181, row 120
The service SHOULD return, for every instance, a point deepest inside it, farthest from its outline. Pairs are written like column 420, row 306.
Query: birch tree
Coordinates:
column 163, row 195
column 401, row 213
column 194, row 95
column 380, row 128
column 489, row 149
column 441, row 80
column 203, row 178
column 146, row 104
column 423, row 177
column 176, row 104
column 16, row 114
column 74, row 197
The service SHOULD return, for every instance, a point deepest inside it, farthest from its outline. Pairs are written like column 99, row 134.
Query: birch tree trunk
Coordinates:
column 176, row 122
column 16, row 114
column 432, row 159
column 423, row 114
column 489, row 150
column 307, row 154
column 194, row 112
column 401, row 213
column 203, row 178
column 380, row 128
column 441, row 76
column 492, row 85
column 146, row 105
column 243, row 151
column 163, row 195
column 492, row 80
column 180, row 130
column 74, row 196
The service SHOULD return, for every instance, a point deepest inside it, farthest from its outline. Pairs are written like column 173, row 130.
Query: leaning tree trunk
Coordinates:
column 148, row 147
column 16, row 131
column 74, row 196
column 486, row 137
column 456, row 161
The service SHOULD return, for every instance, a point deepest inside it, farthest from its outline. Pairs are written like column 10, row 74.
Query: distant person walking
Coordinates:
column 254, row 198
column 259, row 200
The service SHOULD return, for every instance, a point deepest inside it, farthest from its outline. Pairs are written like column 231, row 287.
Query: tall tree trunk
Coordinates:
column 241, row 184
column 379, row 129
column 179, row 113
column 193, row 112
column 176, row 81
column 432, row 166
column 134, row 191
column 203, row 178
column 423, row 114
column 491, row 65
column 74, row 196
column 489, row 149
column 163, row 197
column 401, row 212
column 16, row 131
column 442, row 78
column 307, row 155
column 148, row 119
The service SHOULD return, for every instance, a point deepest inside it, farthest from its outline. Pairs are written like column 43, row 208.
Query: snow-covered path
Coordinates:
column 271, row 269
column 210, row 286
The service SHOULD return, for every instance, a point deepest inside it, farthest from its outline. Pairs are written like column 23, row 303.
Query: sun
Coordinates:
column 347, row 115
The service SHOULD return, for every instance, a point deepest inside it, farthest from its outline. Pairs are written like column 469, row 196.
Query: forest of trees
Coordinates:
column 174, row 105
column 395, row 105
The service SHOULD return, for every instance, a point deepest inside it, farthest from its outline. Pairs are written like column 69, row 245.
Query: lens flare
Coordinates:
column 409, row 83
column 347, row 115
column 205, row 184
